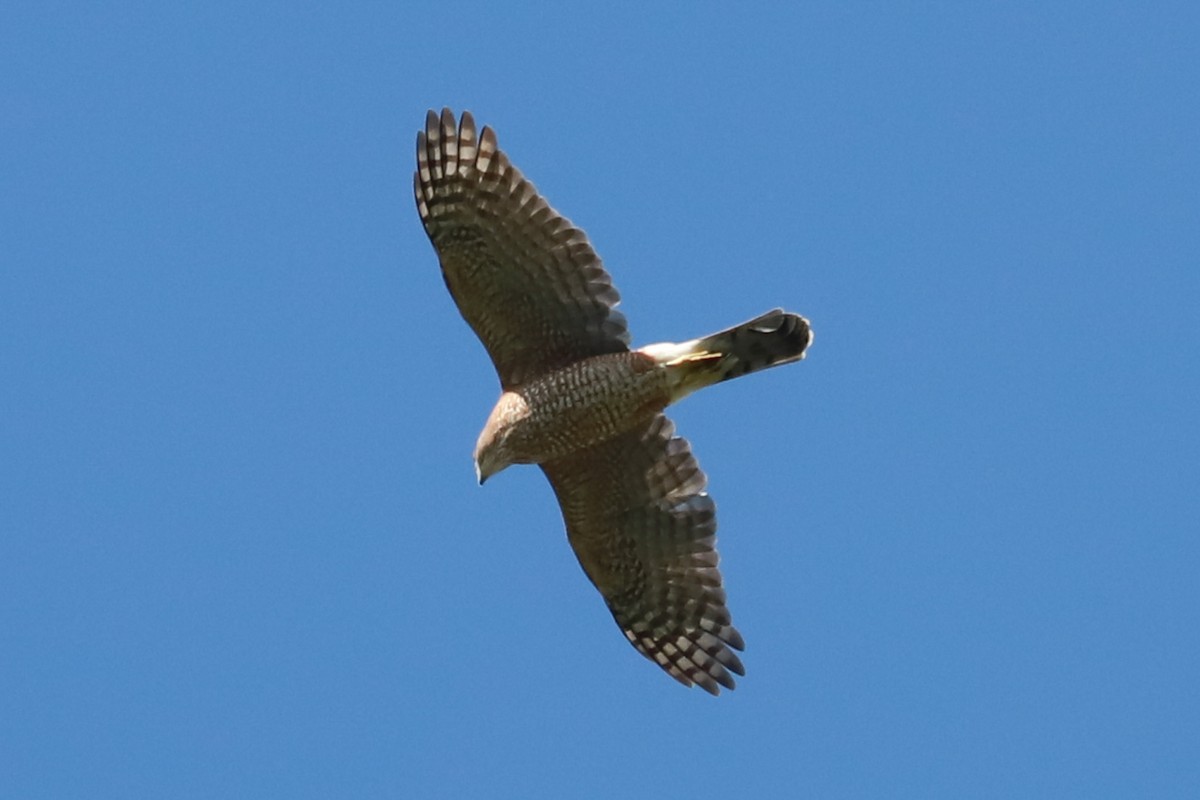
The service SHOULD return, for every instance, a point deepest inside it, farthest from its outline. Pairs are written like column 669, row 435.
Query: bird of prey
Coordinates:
column 580, row 403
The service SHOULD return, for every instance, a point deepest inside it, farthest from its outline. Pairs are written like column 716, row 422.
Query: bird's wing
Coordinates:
column 644, row 531
column 525, row 279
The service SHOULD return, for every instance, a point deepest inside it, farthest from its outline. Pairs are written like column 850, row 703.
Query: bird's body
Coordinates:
column 589, row 401
column 573, row 408
column 577, row 401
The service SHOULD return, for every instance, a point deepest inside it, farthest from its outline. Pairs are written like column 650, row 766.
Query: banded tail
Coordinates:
column 774, row 338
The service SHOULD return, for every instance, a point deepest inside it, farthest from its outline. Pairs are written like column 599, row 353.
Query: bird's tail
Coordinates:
column 774, row 338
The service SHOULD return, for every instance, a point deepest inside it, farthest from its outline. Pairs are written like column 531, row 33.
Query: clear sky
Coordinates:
column 242, row 551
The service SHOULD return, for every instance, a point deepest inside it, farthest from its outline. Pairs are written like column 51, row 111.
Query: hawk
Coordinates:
column 580, row 403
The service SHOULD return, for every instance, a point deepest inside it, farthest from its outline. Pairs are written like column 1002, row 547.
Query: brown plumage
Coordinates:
column 578, row 402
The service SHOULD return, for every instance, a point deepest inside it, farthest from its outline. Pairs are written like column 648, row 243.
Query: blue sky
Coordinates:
column 242, row 552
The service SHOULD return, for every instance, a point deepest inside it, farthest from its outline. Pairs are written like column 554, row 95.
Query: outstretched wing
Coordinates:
column 525, row 279
column 644, row 531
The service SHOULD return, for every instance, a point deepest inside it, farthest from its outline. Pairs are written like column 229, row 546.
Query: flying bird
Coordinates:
column 580, row 403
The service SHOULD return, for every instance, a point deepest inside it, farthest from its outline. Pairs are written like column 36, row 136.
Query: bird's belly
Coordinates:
column 585, row 403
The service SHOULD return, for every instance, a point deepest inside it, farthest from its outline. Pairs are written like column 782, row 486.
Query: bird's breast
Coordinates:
column 585, row 403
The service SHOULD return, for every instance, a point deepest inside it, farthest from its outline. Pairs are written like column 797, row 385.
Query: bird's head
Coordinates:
column 490, row 458
column 495, row 449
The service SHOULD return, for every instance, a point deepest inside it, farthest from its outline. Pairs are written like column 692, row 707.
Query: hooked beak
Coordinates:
column 479, row 476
